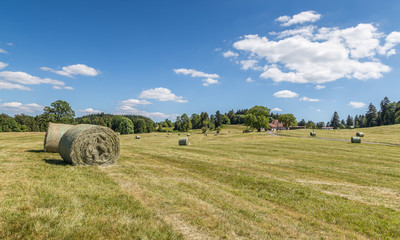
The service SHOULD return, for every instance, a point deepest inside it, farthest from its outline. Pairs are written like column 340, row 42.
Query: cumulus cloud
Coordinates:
column 68, row 88
column 209, row 78
column 3, row 51
column 311, row 55
column 249, row 80
column 161, row 94
column 20, row 107
column 250, row 64
column 306, row 99
column 286, row 94
column 276, row 110
column 195, row 73
column 89, row 111
column 3, row 65
column 209, row 81
column 134, row 102
column 229, row 54
column 303, row 17
column 319, row 87
column 357, row 104
column 18, row 80
column 318, row 110
column 77, row 69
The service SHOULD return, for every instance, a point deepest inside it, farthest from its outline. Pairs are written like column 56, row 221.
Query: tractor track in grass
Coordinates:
column 332, row 139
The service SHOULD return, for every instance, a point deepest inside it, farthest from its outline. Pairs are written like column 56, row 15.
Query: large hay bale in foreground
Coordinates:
column 313, row 134
column 360, row 134
column 184, row 142
column 53, row 135
column 355, row 140
column 89, row 145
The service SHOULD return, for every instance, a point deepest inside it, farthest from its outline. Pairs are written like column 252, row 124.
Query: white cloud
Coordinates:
column 195, row 73
column 3, row 65
column 250, row 64
column 286, row 94
column 306, row 99
column 319, row 87
column 153, row 115
column 66, row 87
column 161, row 94
column 276, row 110
column 320, row 56
column 318, row 110
column 209, row 81
column 391, row 40
column 10, row 44
column 306, row 32
column 17, row 80
column 21, row 108
column 77, row 69
column 303, row 17
column 3, row 51
column 90, row 111
column 357, row 104
column 229, row 54
column 134, row 102
column 249, row 80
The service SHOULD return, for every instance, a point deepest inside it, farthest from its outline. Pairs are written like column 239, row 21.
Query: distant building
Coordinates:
column 276, row 125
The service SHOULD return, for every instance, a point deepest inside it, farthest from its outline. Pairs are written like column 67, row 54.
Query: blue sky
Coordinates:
column 163, row 58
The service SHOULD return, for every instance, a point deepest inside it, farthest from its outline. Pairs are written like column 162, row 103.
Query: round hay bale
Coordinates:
column 53, row 135
column 184, row 142
column 355, row 140
column 89, row 145
column 137, row 137
column 206, row 134
column 313, row 134
column 155, row 135
column 360, row 134
column 215, row 134
column 179, row 134
column 188, row 134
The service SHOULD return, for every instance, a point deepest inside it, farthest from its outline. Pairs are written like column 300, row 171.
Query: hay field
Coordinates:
column 230, row 186
column 385, row 134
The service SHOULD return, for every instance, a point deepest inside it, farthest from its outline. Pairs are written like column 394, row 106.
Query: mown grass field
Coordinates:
column 230, row 186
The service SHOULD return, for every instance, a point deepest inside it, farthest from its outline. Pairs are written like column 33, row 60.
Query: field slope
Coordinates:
column 230, row 186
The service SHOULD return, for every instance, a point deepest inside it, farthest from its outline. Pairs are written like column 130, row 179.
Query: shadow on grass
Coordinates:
column 56, row 162
column 34, row 151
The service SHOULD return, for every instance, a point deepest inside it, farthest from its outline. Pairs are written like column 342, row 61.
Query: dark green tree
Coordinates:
column 371, row 117
column 257, row 117
column 335, row 121
column 287, row 120
column 59, row 112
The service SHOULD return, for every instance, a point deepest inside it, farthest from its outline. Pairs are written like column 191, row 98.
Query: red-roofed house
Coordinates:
column 276, row 125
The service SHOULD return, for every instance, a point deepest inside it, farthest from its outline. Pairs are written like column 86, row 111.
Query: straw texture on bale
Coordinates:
column 184, row 141
column 89, row 145
column 53, row 135
column 355, row 140
column 360, row 134
column 313, row 134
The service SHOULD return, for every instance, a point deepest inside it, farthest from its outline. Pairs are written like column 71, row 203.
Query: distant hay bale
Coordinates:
column 355, row 140
column 188, row 134
column 184, row 142
column 360, row 134
column 137, row 137
column 215, row 134
column 179, row 134
column 313, row 134
column 86, row 144
column 155, row 135
column 206, row 134
column 53, row 135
